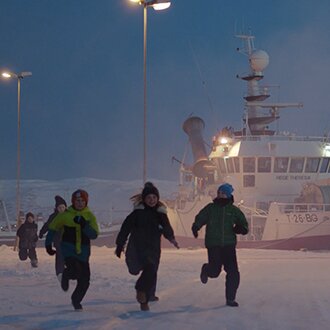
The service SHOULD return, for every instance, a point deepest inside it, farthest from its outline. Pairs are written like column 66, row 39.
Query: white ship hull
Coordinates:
column 286, row 226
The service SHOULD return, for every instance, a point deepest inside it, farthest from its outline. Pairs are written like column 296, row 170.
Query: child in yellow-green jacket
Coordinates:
column 78, row 226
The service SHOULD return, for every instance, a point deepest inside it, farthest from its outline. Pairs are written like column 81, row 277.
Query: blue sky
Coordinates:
column 82, row 110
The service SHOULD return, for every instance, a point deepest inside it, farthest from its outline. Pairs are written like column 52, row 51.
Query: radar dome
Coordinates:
column 259, row 60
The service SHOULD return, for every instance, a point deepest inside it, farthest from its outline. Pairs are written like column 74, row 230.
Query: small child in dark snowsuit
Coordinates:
column 28, row 237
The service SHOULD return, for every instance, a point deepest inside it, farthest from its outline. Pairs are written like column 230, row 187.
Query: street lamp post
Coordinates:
column 156, row 5
column 18, row 77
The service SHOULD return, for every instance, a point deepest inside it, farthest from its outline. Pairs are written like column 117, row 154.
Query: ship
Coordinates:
column 281, row 180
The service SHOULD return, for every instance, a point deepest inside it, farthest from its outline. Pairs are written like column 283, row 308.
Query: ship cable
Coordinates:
column 203, row 83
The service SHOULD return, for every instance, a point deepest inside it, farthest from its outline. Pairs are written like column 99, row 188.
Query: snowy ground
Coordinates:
column 279, row 290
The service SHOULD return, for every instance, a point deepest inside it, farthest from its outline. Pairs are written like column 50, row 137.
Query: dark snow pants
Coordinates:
column 152, row 292
column 77, row 270
column 147, row 279
column 59, row 259
column 224, row 256
column 23, row 254
column 59, row 262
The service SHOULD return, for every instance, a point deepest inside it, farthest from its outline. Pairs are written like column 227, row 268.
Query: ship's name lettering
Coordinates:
column 293, row 177
column 302, row 218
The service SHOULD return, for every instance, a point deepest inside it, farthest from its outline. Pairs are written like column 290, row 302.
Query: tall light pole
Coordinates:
column 18, row 76
column 157, row 5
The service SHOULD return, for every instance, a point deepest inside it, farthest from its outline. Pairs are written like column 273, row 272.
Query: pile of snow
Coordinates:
column 279, row 290
column 109, row 199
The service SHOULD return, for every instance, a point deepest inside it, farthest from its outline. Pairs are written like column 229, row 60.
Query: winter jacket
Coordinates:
column 145, row 225
column 221, row 217
column 44, row 229
column 28, row 235
column 75, row 238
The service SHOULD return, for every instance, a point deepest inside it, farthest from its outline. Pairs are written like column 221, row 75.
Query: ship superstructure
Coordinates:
column 264, row 165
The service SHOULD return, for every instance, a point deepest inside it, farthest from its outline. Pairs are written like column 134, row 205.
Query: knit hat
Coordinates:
column 79, row 194
column 148, row 189
column 29, row 214
column 59, row 201
column 227, row 189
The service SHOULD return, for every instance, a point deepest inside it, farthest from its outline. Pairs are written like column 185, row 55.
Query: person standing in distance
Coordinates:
column 78, row 225
column 223, row 221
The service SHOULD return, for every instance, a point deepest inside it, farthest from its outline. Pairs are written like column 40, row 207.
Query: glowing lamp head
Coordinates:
column 155, row 4
column 6, row 75
column 161, row 5
column 326, row 151
column 223, row 140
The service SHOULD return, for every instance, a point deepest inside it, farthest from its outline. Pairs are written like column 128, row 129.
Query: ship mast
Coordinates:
column 258, row 115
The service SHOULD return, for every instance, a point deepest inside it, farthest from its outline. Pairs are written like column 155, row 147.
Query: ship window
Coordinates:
column 222, row 165
column 264, row 164
column 236, row 164
column 324, row 165
column 248, row 180
column 230, row 165
column 281, row 164
column 249, row 164
column 312, row 165
column 264, row 206
column 296, row 165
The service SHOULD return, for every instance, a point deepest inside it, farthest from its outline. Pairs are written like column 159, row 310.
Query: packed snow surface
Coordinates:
column 278, row 290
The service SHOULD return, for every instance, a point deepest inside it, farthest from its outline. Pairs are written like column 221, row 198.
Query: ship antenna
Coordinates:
column 258, row 114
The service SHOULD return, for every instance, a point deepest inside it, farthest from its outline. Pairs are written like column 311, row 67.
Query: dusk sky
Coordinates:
column 82, row 109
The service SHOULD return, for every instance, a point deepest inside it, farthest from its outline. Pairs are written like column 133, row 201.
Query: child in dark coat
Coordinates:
column 28, row 237
column 60, row 207
column 144, row 226
column 223, row 221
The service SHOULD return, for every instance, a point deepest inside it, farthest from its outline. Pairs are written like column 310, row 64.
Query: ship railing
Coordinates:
column 302, row 207
column 253, row 210
column 256, row 218
column 283, row 138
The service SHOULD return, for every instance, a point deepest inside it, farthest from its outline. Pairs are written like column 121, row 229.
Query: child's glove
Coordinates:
column 194, row 230
column 175, row 243
column 80, row 220
column 240, row 230
column 119, row 250
column 50, row 250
